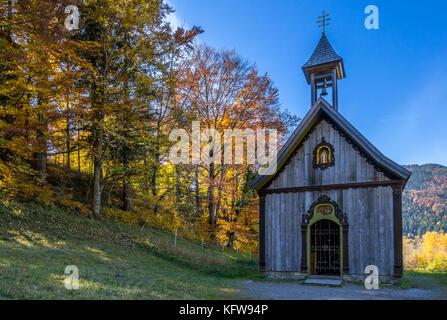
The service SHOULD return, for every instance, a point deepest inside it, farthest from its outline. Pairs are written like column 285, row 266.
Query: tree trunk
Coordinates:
column 231, row 238
column 211, row 215
column 98, row 135
column 126, row 185
column 126, row 195
column 177, row 185
column 155, row 168
column 68, row 134
column 126, row 147
column 79, row 153
column 219, row 194
column 197, row 190
column 97, row 173
column 40, row 155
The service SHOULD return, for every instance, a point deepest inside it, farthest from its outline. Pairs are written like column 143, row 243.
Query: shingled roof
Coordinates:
column 323, row 53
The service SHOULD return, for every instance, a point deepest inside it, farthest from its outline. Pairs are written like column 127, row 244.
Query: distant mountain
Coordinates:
column 425, row 200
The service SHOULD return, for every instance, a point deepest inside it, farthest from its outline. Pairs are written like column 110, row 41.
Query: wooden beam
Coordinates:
column 328, row 187
column 322, row 76
column 397, row 230
column 261, row 232
column 345, row 230
column 334, row 90
column 304, row 248
column 321, row 86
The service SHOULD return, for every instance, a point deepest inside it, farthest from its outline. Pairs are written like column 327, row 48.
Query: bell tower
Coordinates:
column 324, row 68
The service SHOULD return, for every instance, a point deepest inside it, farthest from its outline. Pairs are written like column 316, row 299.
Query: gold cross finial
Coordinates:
column 324, row 21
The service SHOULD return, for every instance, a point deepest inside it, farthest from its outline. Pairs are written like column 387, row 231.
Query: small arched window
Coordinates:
column 323, row 155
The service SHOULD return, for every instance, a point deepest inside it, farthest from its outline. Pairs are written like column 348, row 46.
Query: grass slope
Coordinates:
column 115, row 260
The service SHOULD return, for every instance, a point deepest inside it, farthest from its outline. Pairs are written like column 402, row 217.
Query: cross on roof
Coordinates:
column 323, row 21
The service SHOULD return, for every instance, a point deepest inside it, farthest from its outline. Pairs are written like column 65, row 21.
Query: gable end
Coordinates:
column 322, row 115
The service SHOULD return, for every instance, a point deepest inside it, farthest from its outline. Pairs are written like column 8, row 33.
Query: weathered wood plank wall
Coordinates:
column 370, row 218
column 369, row 209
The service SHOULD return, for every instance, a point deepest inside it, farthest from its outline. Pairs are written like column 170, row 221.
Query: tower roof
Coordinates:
column 323, row 53
column 324, row 57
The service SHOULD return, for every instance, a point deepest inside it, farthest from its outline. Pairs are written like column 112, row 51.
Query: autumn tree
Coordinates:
column 224, row 91
column 132, row 56
column 34, row 41
column 110, row 92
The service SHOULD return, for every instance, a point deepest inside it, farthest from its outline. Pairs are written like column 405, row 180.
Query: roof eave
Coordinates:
column 302, row 128
column 338, row 64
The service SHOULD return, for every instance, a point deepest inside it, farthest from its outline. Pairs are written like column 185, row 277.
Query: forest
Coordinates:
column 87, row 106
column 424, row 214
column 86, row 115
column 424, row 201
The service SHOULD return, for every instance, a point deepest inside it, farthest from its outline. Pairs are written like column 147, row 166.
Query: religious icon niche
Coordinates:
column 323, row 155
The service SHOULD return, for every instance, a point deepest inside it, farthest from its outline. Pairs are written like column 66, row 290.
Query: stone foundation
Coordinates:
column 285, row 275
column 383, row 279
column 290, row 275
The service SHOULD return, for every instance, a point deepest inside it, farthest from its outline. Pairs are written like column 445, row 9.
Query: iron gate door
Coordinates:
column 325, row 247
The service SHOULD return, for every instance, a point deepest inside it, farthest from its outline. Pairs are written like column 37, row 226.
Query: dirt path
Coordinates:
column 426, row 289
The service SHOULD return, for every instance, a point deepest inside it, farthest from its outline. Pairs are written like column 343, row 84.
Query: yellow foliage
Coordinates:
column 16, row 182
column 8, row 184
column 428, row 252
column 121, row 215
column 438, row 263
column 70, row 204
column 40, row 194
column 434, row 243
column 203, row 227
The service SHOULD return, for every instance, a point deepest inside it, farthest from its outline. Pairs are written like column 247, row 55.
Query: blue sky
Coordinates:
column 395, row 91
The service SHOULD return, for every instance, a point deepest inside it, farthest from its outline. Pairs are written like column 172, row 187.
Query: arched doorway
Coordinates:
column 324, row 239
column 325, row 247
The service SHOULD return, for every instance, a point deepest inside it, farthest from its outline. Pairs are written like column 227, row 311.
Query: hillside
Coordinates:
column 425, row 200
column 124, row 261
column 115, row 260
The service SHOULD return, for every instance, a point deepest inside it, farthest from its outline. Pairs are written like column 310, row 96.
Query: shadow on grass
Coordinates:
column 115, row 261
